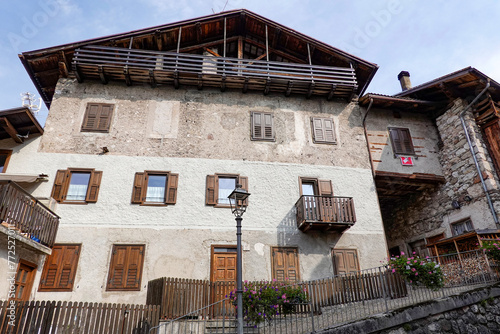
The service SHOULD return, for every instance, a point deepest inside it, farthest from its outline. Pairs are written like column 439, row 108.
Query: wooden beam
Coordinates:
column 78, row 75
column 199, row 32
column 9, row 128
column 200, row 81
column 332, row 91
column 289, row 88
column 310, row 91
column 223, row 84
column 159, row 40
column 205, row 45
column 245, row 85
column 279, row 53
column 128, row 81
column 268, row 87
column 212, row 52
column 152, row 79
column 63, row 70
column 176, row 79
column 102, row 75
column 240, row 47
column 450, row 91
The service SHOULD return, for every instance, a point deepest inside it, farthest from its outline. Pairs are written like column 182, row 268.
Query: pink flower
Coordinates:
column 402, row 253
column 284, row 296
column 416, row 274
column 393, row 270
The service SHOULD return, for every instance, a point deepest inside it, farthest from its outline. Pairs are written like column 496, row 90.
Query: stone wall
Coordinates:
column 431, row 212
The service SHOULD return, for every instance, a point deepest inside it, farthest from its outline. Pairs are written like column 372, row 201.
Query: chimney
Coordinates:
column 404, row 80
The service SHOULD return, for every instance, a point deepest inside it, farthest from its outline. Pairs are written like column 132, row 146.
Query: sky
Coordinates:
column 428, row 38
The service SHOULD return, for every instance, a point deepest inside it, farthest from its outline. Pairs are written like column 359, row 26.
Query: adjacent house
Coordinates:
column 435, row 155
column 150, row 130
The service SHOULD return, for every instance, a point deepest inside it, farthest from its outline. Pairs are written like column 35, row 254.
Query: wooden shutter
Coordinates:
column 262, row 126
column 60, row 185
column 139, row 188
column 243, row 180
column 329, row 130
column 345, row 261
column 285, row 262
column 94, row 184
column 323, row 130
column 325, row 188
column 317, row 126
column 171, row 195
column 401, row 141
column 97, row 117
column 125, row 269
column 211, row 191
column 491, row 133
column 257, row 123
column 60, row 268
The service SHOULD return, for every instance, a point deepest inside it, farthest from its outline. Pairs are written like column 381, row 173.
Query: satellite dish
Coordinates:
column 29, row 101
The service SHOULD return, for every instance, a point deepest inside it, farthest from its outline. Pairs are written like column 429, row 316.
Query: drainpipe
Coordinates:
column 471, row 148
column 366, row 137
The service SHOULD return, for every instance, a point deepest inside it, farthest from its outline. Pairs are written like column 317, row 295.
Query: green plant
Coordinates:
column 265, row 300
column 492, row 248
column 407, row 327
column 418, row 271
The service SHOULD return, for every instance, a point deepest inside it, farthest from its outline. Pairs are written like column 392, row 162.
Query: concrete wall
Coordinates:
column 206, row 133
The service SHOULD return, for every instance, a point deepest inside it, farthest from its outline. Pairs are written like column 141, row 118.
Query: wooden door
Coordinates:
column 223, row 276
column 491, row 132
column 24, row 280
column 345, row 261
column 285, row 263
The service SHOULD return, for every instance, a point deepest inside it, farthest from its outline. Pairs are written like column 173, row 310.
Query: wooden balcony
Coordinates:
column 325, row 213
column 21, row 212
column 135, row 66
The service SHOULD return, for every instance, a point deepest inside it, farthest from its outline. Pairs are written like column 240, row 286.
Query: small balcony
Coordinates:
column 135, row 66
column 24, row 217
column 325, row 213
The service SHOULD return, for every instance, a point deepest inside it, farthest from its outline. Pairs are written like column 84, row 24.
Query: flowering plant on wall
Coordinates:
column 266, row 300
column 492, row 248
column 418, row 271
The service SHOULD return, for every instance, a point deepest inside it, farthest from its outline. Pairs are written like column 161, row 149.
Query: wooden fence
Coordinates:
column 47, row 317
column 178, row 297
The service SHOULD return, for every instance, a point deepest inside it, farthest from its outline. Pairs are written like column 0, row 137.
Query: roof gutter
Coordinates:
column 366, row 136
column 471, row 148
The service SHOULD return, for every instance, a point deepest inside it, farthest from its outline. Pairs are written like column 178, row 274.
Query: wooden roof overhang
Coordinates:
column 400, row 103
column 465, row 83
column 395, row 188
column 238, row 34
column 463, row 242
column 18, row 123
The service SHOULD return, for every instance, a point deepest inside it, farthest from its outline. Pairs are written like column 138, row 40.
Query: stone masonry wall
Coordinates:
column 431, row 212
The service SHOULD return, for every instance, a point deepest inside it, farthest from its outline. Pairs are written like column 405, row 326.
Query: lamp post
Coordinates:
column 238, row 202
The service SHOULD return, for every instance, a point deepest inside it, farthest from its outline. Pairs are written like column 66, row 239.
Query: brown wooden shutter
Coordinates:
column 325, row 188
column 323, row 130
column 268, row 126
column 134, row 267
column 105, row 117
column 125, row 270
column 406, row 142
column 345, row 261
column 139, row 188
column 211, row 191
column 491, row 131
column 317, row 126
column 97, row 117
column 60, row 184
column 60, row 268
column 257, row 123
column 171, row 195
column 243, row 180
column 117, row 267
column 94, row 184
column 401, row 141
column 329, row 130
column 285, row 262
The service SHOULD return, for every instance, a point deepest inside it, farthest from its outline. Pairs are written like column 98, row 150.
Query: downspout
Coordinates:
column 471, row 148
column 366, row 137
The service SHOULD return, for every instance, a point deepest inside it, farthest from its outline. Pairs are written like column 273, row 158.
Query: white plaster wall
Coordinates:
column 178, row 237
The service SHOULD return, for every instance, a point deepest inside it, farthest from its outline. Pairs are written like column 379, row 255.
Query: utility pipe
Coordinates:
column 471, row 148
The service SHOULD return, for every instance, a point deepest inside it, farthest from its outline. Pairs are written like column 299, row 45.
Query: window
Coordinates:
column 345, row 261
column 60, row 268
column 155, row 188
column 323, row 130
column 462, row 227
column 285, row 263
column 125, row 270
column 219, row 186
column 24, row 280
column 262, row 126
column 4, row 160
column 315, row 187
column 401, row 141
column 97, row 117
column 76, row 185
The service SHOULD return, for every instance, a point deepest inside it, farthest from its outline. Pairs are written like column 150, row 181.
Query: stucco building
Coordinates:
column 150, row 130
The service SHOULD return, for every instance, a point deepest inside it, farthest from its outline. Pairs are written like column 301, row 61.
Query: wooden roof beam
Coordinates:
column 450, row 91
column 9, row 128
column 204, row 45
column 279, row 53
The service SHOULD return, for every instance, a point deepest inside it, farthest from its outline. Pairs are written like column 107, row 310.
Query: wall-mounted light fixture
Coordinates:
column 457, row 203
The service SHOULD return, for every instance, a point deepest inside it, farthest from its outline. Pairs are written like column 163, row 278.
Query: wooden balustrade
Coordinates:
column 325, row 213
column 24, row 213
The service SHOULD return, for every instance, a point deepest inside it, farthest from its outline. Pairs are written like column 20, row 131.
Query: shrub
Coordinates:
column 492, row 248
column 265, row 300
column 418, row 271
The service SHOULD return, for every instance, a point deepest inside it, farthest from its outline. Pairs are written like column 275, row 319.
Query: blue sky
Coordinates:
column 428, row 38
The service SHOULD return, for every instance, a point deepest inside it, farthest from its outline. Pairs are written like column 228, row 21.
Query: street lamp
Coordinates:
column 238, row 202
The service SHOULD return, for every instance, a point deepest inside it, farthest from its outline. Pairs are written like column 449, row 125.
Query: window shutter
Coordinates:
column 60, row 268
column 406, row 141
column 323, row 130
column 285, row 264
column 68, row 266
column 105, row 117
column 317, row 126
column 125, row 270
column 134, row 267
column 268, row 126
column 91, row 117
column 211, row 193
column 94, row 184
column 60, row 182
column 117, row 267
column 396, row 141
column 325, row 188
column 139, row 186
column 401, row 141
column 51, row 268
column 257, row 125
column 329, row 130
column 243, row 180
column 172, row 182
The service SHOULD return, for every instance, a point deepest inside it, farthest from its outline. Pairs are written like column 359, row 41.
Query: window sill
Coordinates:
column 74, row 202
column 153, row 204
column 325, row 142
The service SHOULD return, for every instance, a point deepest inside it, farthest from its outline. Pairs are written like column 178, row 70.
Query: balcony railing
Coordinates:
column 325, row 213
column 22, row 212
column 156, row 67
